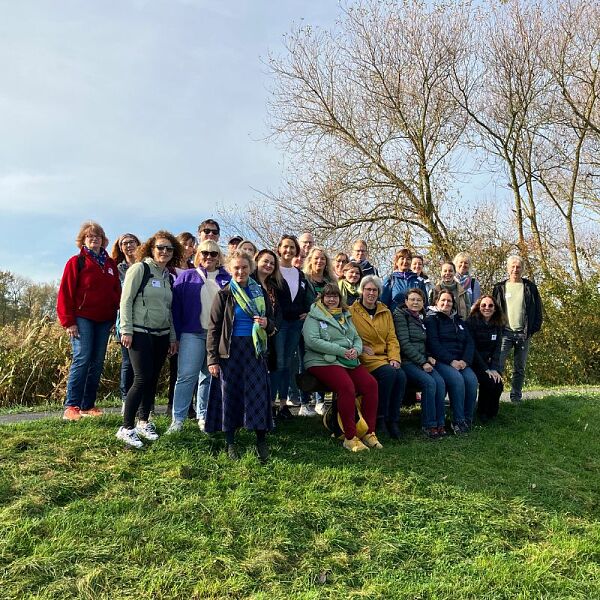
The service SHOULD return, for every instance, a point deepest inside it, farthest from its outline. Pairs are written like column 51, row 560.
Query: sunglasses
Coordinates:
column 164, row 248
column 207, row 253
column 207, row 231
column 487, row 306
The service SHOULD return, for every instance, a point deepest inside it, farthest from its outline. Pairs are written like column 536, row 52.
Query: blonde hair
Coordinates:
column 328, row 273
column 240, row 254
column 208, row 246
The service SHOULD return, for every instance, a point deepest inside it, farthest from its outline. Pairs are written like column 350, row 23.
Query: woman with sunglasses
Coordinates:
column 193, row 294
column 87, row 303
column 295, row 304
column 147, row 330
column 123, row 253
column 486, row 324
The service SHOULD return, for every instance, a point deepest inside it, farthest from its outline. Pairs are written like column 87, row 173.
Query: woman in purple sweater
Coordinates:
column 193, row 293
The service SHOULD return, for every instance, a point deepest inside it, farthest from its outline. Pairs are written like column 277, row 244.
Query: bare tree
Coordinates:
column 367, row 112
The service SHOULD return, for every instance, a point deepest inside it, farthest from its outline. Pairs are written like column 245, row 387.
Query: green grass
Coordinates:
column 511, row 511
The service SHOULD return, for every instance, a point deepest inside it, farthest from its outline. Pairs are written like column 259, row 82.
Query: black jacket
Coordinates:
column 487, row 339
column 448, row 338
column 220, row 328
column 291, row 310
column 533, row 316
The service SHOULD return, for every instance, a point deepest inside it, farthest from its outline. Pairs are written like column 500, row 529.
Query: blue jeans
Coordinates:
column 286, row 342
column 191, row 372
column 126, row 373
column 89, row 350
column 433, row 394
column 516, row 340
column 462, row 390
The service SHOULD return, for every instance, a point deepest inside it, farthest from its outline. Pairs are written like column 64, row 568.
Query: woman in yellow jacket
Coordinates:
column 381, row 352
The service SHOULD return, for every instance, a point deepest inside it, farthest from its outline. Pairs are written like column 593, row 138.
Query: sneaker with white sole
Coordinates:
column 293, row 402
column 320, row 408
column 174, row 427
column 307, row 411
column 130, row 437
column 201, row 424
column 148, row 431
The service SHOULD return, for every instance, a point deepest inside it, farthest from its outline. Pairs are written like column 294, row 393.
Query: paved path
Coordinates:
column 161, row 409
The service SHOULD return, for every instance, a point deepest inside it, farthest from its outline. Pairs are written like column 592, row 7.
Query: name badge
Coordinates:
column 494, row 337
column 460, row 326
column 423, row 326
column 156, row 283
column 302, row 284
column 110, row 271
column 323, row 325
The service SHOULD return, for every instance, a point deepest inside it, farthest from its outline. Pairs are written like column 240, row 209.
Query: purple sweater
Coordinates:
column 186, row 300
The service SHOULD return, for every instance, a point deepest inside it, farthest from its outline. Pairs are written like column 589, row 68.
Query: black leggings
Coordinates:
column 147, row 355
column 489, row 395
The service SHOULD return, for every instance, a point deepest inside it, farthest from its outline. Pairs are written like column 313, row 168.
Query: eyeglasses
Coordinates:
column 487, row 306
column 207, row 253
column 164, row 248
column 93, row 236
column 207, row 231
column 128, row 243
column 331, row 296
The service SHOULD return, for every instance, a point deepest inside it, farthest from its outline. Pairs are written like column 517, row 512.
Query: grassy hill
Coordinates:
column 509, row 511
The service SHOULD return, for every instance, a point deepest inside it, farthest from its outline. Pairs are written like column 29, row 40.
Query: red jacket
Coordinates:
column 92, row 292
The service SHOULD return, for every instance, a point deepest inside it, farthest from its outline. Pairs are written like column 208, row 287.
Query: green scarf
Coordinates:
column 347, row 289
column 253, row 304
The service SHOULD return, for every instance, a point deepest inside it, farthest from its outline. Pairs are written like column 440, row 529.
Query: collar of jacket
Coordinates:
column 320, row 315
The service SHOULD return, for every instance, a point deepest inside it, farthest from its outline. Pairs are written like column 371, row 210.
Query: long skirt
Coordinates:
column 241, row 395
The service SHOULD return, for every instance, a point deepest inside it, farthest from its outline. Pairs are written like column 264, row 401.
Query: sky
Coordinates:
column 139, row 114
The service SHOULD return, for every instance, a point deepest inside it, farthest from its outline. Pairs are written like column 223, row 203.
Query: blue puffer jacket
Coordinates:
column 448, row 338
column 397, row 284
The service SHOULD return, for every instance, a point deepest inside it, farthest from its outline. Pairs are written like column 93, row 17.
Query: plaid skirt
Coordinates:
column 241, row 396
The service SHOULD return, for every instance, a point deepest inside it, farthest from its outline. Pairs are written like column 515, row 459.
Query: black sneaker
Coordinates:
column 456, row 430
column 263, row 451
column 232, row 452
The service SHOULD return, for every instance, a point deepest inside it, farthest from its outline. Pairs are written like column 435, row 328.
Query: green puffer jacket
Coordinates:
column 150, row 312
column 412, row 335
column 326, row 340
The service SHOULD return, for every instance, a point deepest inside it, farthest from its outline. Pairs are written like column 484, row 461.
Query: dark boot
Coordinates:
column 393, row 430
column 232, row 452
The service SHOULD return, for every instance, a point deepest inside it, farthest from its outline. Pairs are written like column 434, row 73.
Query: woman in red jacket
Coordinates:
column 88, row 299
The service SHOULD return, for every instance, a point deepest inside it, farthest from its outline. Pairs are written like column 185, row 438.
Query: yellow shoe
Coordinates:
column 370, row 440
column 354, row 445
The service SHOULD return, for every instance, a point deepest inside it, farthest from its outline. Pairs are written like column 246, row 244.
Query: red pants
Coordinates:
column 347, row 383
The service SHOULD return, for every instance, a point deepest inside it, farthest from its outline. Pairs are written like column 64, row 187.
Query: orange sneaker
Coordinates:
column 92, row 412
column 72, row 413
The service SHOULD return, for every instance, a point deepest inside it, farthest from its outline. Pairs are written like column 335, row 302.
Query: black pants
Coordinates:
column 147, row 355
column 489, row 395
column 391, row 385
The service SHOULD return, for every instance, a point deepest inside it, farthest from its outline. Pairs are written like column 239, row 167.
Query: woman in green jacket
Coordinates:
column 332, row 347
column 147, row 330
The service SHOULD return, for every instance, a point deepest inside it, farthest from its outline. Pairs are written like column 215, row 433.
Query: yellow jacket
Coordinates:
column 378, row 333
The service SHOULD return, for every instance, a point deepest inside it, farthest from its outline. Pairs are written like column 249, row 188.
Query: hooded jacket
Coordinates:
column 397, row 284
column 326, row 339
column 377, row 333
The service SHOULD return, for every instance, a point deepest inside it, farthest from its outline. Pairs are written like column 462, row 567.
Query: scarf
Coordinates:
column 337, row 313
column 348, row 289
column 252, row 303
column 99, row 258
column 465, row 281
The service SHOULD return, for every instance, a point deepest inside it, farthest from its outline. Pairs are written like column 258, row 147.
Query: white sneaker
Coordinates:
column 130, row 437
column 201, row 424
column 320, row 408
column 307, row 411
column 174, row 427
column 147, row 431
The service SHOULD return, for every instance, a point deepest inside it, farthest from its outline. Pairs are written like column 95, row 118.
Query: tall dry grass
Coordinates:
column 35, row 356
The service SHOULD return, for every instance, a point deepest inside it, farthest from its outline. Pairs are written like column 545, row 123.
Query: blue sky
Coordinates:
column 138, row 114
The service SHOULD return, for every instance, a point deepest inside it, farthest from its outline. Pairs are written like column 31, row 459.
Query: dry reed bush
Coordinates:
column 35, row 356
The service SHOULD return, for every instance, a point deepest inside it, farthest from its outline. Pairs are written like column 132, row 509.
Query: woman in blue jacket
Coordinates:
column 193, row 293
column 402, row 279
column 450, row 343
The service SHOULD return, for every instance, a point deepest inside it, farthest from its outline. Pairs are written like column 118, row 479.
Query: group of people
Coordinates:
column 239, row 326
